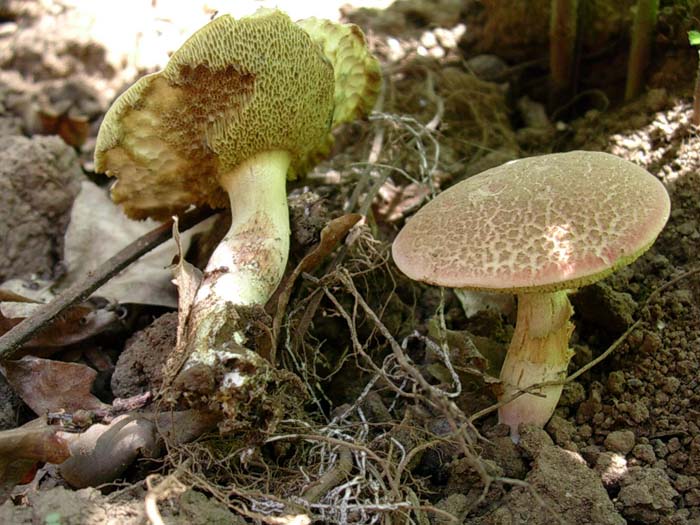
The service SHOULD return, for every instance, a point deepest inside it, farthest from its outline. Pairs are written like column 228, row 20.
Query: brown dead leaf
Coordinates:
column 187, row 278
column 48, row 386
column 396, row 202
column 8, row 295
column 21, row 448
column 74, row 325
column 331, row 235
column 72, row 127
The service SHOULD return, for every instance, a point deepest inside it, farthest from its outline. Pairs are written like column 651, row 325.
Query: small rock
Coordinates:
column 572, row 394
column 646, row 495
column 638, row 411
column 584, row 432
column 561, row 431
column 590, row 453
column 674, row 444
column 611, row 467
column 621, row 441
column 645, row 453
column 567, row 487
column 39, row 179
column 692, row 498
column 685, row 483
column 604, row 307
column 533, row 439
column 140, row 365
column 616, row 382
column 506, row 454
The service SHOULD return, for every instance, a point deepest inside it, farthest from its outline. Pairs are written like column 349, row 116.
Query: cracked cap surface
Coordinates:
column 542, row 223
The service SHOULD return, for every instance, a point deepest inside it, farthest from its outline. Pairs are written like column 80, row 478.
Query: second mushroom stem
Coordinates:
column 538, row 353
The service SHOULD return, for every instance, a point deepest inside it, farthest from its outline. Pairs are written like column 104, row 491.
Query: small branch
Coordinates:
column 562, row 49
column 12, row 341
column 640, row 49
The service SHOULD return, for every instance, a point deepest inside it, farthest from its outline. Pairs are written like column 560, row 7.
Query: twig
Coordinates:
column 12, row 341
column 331, row 478
column 669, row 284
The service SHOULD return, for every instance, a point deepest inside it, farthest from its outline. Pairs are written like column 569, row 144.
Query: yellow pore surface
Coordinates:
column 234, row 89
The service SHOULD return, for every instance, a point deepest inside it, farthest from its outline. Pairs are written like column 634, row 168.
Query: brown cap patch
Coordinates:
column 536, row 224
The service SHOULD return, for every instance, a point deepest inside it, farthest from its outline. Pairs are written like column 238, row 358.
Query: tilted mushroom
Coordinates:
column 536, row 227
column 240, row 107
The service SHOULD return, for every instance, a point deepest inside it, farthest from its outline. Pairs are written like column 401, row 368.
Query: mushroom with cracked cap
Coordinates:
column 240, row 107
column 536, row 227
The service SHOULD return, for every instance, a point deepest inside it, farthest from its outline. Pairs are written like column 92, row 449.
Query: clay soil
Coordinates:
column 391, row 419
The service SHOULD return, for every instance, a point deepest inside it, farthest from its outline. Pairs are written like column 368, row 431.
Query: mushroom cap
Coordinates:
column 234, row 89
column 537, row 224
column 358, row 76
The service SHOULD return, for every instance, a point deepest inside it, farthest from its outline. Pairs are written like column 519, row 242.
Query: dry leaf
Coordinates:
column 71, row 127
column 397, row 202
column 331, row 235
column 21, row 448
column 74, row 325
column 98, row 229
column 21, row 298
column 48, row 386
column 187, row 279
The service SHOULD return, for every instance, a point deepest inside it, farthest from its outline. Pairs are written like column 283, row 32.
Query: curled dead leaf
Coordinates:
column 48, row 386
column 21, row 448
column 331, row 235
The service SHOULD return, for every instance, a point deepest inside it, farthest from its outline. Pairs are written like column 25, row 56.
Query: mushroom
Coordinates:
column 536, row 227
column 240, row 107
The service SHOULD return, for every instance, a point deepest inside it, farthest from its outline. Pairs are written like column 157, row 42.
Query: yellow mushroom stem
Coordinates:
column 248, row 264
column 538, row 353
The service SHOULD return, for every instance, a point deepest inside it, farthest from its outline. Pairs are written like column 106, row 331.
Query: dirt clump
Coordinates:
column 39, row 178
column 140, row 365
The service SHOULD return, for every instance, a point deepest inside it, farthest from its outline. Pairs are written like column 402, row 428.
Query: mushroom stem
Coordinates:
column 538, row 353
column 248, row 264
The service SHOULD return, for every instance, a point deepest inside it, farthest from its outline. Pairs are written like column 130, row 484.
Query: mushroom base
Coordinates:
column 539, row 353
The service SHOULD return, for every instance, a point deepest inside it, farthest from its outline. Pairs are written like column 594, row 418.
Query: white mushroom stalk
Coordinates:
column 248, row 264
column 538, row 353
column 241, row 107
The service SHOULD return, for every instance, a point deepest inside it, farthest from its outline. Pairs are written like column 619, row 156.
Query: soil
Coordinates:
column 465, row 90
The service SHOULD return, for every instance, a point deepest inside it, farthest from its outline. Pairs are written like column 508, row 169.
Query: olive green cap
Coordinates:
column 358, row 77
column 234, row 89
